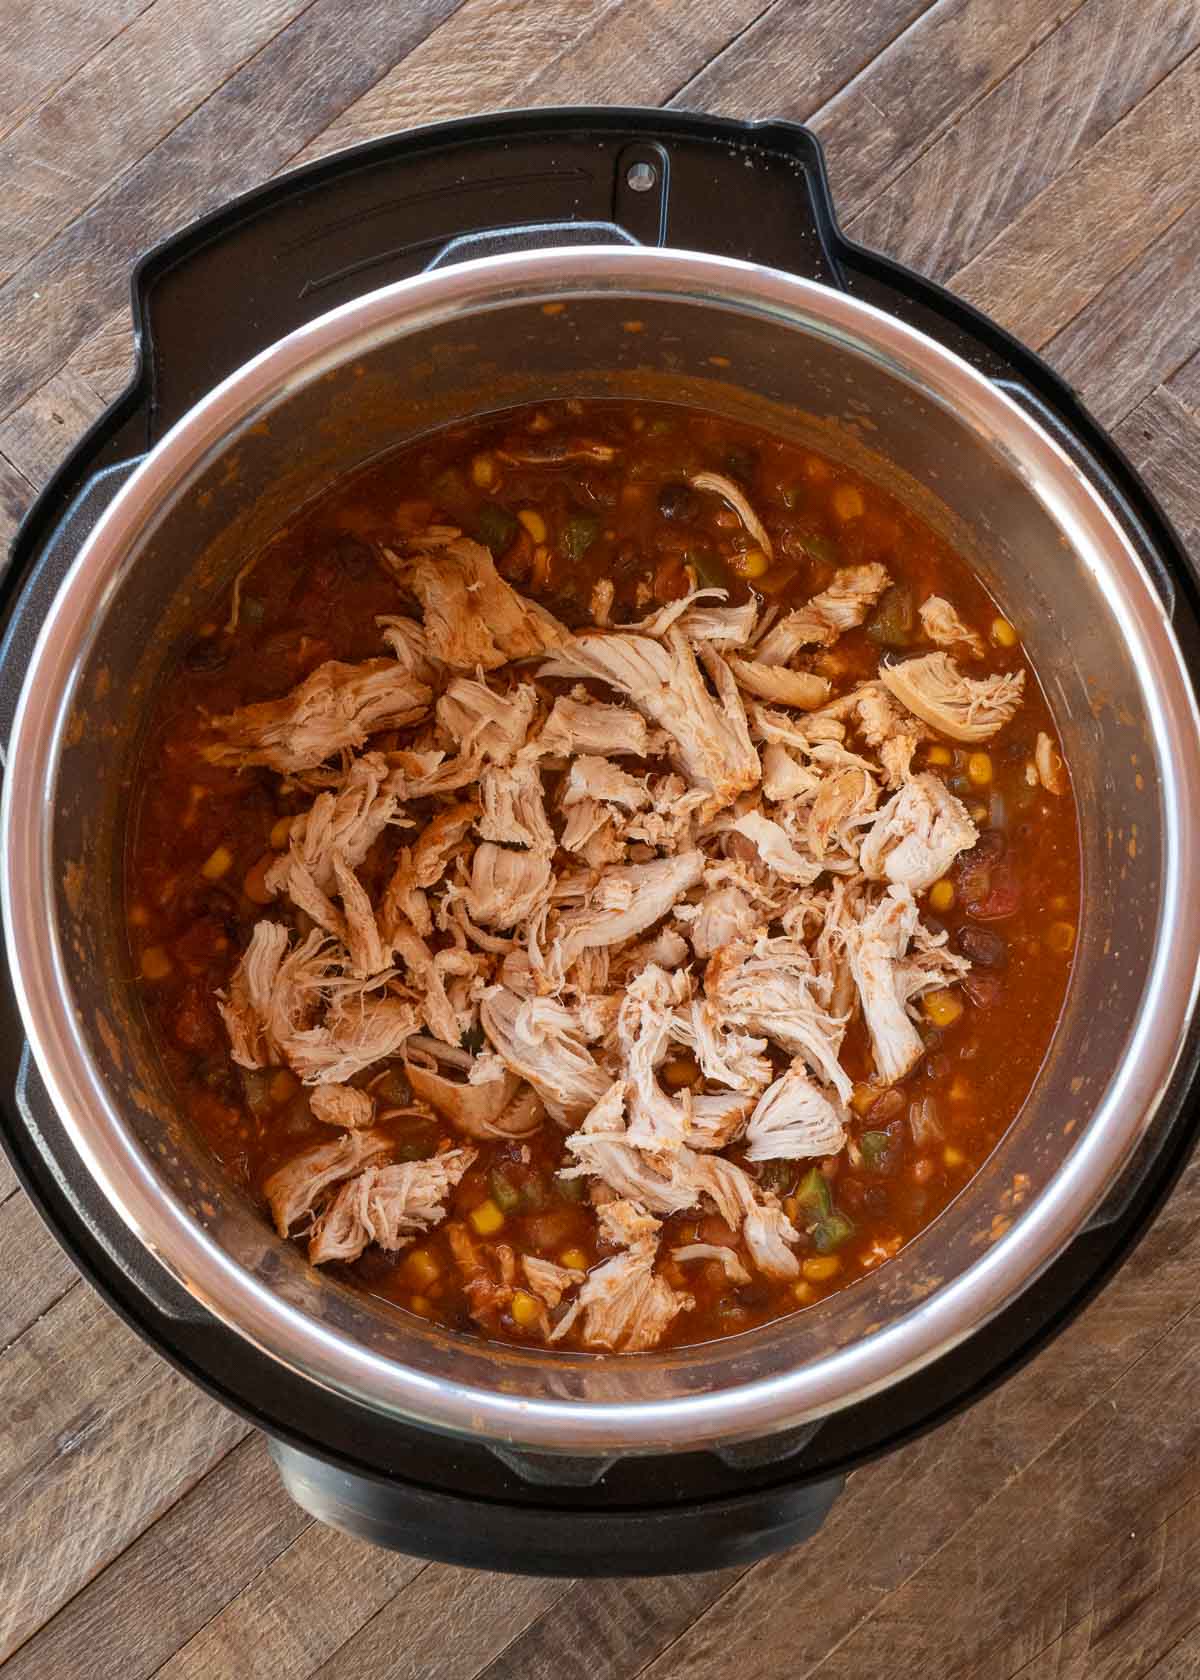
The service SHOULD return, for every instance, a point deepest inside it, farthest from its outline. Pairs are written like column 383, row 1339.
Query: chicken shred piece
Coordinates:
column 887, row 978
column 625, row 1223
column 714, row 484
column 794, row 1120
column 342, row 1105
column 335, row 709
column 725, row 1054
column 472, row 617
column 841, row 606
column 1051, row 772
column 711, row 735
column 625, row 1306
column 388, row 1206
column 540, row 1040
column 942, row 625
column 773, row 988
column 965, row 708
column 423, row 865
column 485, row 725
column 596, row 778
column 726, row 1257
column 576, row 726
column 766, row 1229
column 776, row 849
column 293, row 1190
column 656, row 1122
column 549, row 1280
column 917, row 835
column 651, row 890
column 602, row 1150
column 718, row 1118
column 408, row 643
column 357, row 1031
column 507, row 887
column 724, row 914
column 274, row 991
column 347, row 822
column 780, row 685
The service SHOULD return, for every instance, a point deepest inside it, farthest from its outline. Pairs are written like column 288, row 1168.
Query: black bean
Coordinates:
column 678, row 501
column 354, row 558
column 207, row 654
column 982, row 946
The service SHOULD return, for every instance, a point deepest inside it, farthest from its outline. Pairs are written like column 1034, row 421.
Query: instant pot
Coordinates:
column 358, row 303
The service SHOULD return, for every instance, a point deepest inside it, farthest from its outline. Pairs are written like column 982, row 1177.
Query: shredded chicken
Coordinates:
column 917, row 835
column 965, row 708
column 334, row 710
column 942, row 625
column 841, row 606
column 629, row 917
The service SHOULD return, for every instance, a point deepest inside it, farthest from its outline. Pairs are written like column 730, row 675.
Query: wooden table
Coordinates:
column 1042, row 157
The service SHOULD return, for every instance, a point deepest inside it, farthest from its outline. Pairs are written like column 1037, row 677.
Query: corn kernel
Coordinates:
column 483, row 471
column 254, row 882
column 533, row 523
column 816, row 469
column 526, row 1309
column 139, row 916
column 941, row 755
column 574, row 1259
column 848, row 502
column 803, row 1293
column 217, row 863
column 486, row 1218
column 750, row 563
column 942, row 1007
column 1060, row 937
column 941, row 896
column 863, row 1098
column 960, row 1090
column 553, row 308
column 821, row 1268
column 419, row 1304
column 953, row 1157
column 281, row 833
column 979, row 768
column 679, row 1072
column 156, row 964
column 541, row 422
column 421, row 1269
column 979, row 813
column 1003, row 633
column 284, row 1084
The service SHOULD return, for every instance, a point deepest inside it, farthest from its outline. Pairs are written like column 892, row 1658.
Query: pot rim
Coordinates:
column 115, row 1159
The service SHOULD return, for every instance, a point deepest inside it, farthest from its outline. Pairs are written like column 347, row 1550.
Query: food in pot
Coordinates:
column 605, row 877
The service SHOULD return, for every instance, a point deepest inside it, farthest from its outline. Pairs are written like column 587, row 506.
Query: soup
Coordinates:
column 603, row 877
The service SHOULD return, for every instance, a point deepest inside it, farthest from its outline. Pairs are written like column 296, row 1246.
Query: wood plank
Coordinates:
column 796, row 57
column 179, row 1575
column 100, row 1438
column 33, row 62
column 34, row 1271
column 1073, row 237
column 442, row 1624
column 121, row 102
column 16, row 493
column 901, row 1518
column 1028, row 131
column 922, row 83
column 297, row 1612
column 37, row 436
column 1139, row 329
column 601, row 1629
column 503, row 54
column 250, row 127
column 1135, row 1604
column 1162, row 439
column 105, row 358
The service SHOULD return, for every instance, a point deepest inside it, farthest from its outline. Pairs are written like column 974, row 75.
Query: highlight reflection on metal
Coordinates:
column 781, row 1376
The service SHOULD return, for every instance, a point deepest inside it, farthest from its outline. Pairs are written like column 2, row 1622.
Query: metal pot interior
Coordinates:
column 800, row 375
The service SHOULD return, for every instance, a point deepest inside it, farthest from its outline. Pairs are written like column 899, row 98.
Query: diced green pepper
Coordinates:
column 831, row 1233
column 891, row 623
column 496, row 527
column 814, row 1194
column 253, row 610
column 449, row 490
column 777, row 1176
column 818, row 548
column 504, row 1192
column 415, row 1146
column 579, row 534
column 571, row 1189
column 710, row 573
column 739, row 463
column 660, row 426
column 876, row 1148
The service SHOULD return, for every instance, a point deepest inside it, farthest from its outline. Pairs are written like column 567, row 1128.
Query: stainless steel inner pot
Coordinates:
column 743, row 341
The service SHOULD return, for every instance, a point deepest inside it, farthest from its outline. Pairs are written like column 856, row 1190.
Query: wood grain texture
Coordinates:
column 1076, row 235
column 1027, row 132
column 1041, row 155
column 118, row 105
